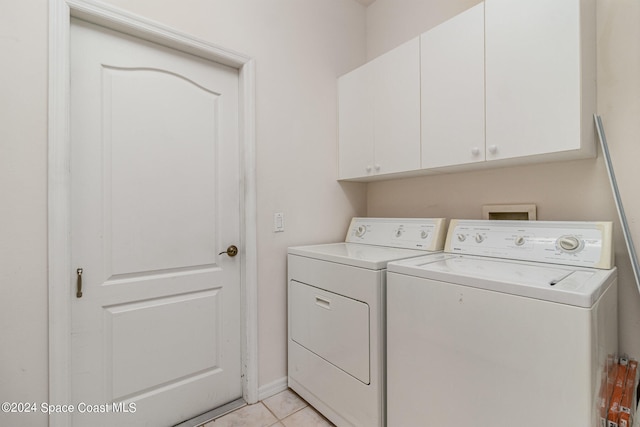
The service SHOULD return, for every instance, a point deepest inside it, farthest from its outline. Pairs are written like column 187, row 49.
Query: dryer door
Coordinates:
column 332, row 326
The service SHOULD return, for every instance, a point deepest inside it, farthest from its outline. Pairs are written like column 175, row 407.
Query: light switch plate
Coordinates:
column 278, row 222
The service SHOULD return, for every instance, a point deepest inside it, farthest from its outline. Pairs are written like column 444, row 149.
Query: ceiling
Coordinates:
column 365, row 2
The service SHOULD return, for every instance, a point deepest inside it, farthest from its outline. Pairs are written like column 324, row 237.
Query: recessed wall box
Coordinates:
column 524, row 212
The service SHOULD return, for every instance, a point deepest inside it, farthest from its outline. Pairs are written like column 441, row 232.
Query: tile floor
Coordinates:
column 285, row 409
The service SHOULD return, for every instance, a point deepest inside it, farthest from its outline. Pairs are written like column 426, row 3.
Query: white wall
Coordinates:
column 391, row 22
column 300, row 47
column 577, row 190
column 23, row 204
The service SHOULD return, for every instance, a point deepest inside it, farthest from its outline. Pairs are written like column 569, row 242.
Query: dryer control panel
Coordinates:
column 584, row 244
column 426, row 234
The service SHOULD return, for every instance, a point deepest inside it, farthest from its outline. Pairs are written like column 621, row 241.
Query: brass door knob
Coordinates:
column 231, row 251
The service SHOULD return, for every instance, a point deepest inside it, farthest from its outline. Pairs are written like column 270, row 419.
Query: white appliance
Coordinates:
column 336, row 304
column 510, row 326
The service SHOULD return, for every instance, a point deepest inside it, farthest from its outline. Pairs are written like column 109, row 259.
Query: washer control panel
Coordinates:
column 426, row 234
column 585, row 244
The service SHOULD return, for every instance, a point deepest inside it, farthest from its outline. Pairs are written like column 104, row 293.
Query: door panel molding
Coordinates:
column 59, row 180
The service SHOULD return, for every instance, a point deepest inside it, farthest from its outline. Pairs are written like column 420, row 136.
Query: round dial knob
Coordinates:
column 479, row 238
column 361, row 230
column 398, row 233
column 519, row 241
column 569, row 243
column 424, row 234
column 462, row 237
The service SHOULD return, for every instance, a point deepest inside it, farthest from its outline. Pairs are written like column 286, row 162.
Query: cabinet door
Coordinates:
column 452, row 86
column 396, row 111
column 540, row 76
column 355, row 124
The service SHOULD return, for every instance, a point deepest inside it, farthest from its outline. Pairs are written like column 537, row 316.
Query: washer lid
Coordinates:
column 580, row 287
column 355, row 254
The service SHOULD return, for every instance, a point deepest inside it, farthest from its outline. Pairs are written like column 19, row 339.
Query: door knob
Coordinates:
column 231, row 251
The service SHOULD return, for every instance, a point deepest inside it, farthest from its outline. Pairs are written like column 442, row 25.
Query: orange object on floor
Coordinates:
column 618, row 391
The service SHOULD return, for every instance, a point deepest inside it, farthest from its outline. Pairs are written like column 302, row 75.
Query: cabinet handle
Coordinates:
column 377, row 166
column 475, row 151
column 368, row 168
column 493, row 149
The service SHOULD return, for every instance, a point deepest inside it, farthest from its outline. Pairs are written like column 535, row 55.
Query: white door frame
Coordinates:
column 59, row 179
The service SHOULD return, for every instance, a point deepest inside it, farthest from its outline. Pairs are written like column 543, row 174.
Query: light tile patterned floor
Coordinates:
column 285, row 409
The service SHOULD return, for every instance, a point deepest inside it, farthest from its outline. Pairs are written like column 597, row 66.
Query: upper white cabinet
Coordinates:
column 379, row 115
column 540, row 78
column 355, row 123
column 505, row 82
column 452, row 76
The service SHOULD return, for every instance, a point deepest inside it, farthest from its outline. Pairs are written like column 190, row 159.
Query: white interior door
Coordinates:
column 155, row 199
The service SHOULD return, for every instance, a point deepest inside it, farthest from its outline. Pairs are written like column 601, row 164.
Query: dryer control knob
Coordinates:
column 519, row 241
column 479, row 238
column 424, row 234
column 361, row 230
column 462, row 237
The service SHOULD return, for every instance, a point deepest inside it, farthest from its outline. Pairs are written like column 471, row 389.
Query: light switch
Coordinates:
column 278, row 222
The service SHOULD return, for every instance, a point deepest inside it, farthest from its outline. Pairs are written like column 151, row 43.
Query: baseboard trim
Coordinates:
column 274, row 387
column 213, row 414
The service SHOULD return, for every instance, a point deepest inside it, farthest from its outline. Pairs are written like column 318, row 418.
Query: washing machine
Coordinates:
column 336, row 315
column 511, row 325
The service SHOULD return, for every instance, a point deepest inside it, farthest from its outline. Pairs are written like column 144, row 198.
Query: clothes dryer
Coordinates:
column 336, row 315
column 511, row 326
